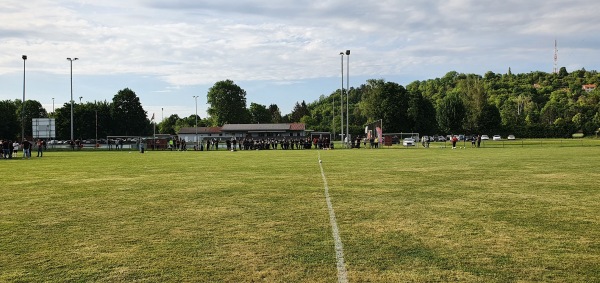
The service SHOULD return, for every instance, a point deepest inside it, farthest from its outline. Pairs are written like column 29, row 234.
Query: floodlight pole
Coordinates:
column 342, row 99
column 347, row 95
column 23, row 105
column 71, row 60
column 333, row 118
column 196, row 125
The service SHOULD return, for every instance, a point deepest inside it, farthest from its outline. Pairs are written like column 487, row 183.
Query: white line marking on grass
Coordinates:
column 339, row 248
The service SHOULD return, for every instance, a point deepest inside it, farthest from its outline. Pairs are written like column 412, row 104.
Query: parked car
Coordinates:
column 511, row 137
column 485, row 137
column 496, row 137
column 408, row 142
column 441, row 138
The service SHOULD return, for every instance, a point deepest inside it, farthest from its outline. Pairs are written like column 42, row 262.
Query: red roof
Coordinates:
column 297, row 127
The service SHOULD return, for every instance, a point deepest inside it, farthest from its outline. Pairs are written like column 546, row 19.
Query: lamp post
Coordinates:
column 23, row 106
column 333, row 118
column 71, row 60
column 52, row 105
column 196, row 125
column 342, row 99
column 347, row 94
column 97, row 143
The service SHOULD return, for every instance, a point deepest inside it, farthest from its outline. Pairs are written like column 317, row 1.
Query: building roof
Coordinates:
column 297, row 127
column 281, row 127
column 201, row 130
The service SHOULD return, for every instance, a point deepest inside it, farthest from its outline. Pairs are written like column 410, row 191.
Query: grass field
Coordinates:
column 512, row 214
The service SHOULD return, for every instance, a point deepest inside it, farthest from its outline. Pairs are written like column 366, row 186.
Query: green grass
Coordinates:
column 512, row 214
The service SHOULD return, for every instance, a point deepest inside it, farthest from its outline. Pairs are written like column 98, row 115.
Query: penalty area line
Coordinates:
column 339, row 248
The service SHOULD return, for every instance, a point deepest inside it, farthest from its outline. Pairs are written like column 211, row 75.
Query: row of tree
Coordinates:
column 535, row 104
column 124, row 116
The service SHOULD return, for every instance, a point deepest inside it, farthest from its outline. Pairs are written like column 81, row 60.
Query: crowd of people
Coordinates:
column 10, row 149
column 271, row 143
column 254, row 144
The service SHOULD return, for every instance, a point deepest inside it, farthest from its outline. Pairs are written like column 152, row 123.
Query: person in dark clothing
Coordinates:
column 26, row 149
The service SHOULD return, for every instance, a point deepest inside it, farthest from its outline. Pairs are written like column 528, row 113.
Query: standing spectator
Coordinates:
column 26, row 149
column 478, row 140
column 5, row 148
column 40, row 148
column 15, row 148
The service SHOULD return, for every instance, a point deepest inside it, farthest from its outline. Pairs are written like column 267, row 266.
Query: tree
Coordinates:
column 167, row 126
column 63, row 122
column 490, row 118
column 33, row 109
column 450, row 114
column 227, row 103
column 562, row 72
column 259, row 114
column 9, row 121
column 421, row 112
column 300, row 110
column 387, row 101
column 128, row 114
column 275, row 113
column 475, row 99
column 92, row 119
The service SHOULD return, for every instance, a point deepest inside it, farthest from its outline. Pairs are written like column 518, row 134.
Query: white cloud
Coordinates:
column 194, row 42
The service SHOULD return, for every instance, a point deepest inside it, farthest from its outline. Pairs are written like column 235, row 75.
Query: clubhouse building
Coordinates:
column 242, row 131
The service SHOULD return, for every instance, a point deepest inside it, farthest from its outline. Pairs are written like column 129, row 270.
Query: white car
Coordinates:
column 408, row 142
column 485, row 137
column 511, row 137
column 496, row 137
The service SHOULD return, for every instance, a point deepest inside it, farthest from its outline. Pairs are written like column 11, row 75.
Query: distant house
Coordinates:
column 189, row 133
column 588, row 88
column 228, row 131
column 280, row 130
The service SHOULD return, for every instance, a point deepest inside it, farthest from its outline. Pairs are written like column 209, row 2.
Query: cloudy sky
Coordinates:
column 281, row 51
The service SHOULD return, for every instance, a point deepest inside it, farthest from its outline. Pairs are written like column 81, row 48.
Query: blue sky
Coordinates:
column 280, row 52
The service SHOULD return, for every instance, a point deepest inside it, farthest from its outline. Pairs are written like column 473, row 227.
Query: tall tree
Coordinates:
column 275, row 113
column 259, row 114
column 128, row 114
column 227, row 103
column 33, row 109
column 300, row 110
column 474, row 99
column 387, row 101
column 9, row 121
column 168, row 125
column 421, row 113
column 451, row 113
column 63, row 121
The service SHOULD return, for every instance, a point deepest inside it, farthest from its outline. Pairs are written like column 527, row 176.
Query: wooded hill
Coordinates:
column 535, row 104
